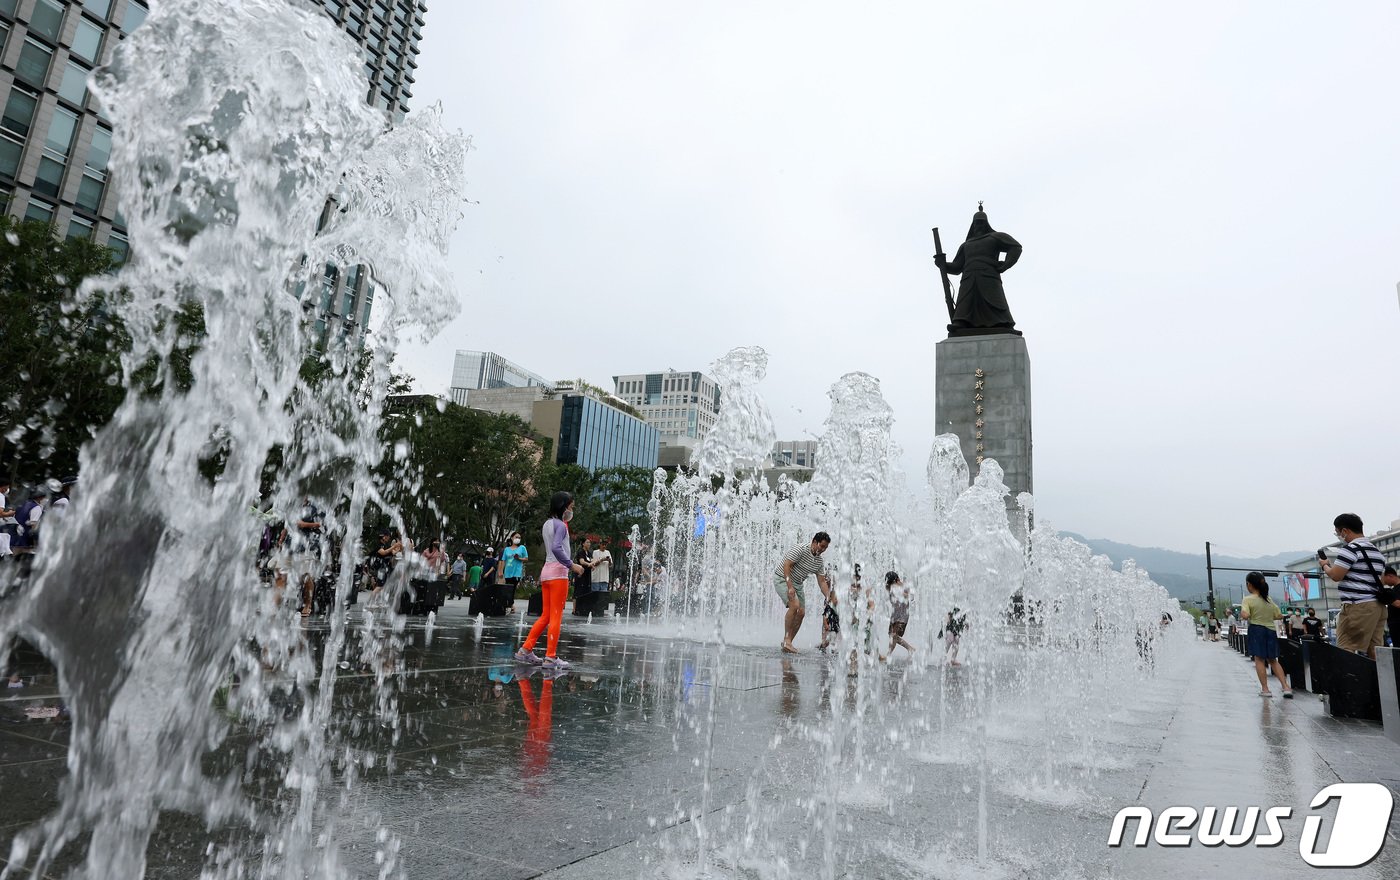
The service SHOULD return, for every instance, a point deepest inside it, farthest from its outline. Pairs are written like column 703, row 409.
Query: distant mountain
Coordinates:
column 1184, row 574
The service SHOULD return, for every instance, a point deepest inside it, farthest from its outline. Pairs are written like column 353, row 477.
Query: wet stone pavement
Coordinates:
column 653, row 755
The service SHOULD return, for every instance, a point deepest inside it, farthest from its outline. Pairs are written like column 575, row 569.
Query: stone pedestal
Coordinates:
column 1002, row 428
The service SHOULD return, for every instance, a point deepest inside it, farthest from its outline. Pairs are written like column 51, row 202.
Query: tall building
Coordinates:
column 795, row 453
column 584, row 426
column 388, row 32
column 682, row 405
column 480, row 370
column 55, row 142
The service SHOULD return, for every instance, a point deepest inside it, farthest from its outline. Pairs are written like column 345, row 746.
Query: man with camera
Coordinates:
column 1357, row 571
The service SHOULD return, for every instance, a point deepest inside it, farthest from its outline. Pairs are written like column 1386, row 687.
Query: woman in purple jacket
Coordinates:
column 554, row 581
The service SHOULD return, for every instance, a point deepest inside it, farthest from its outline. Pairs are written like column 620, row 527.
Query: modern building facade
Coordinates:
column 795, row 453
column 481, row 370
column 594, row 435
column 388, row 33
column 55, row 141
column 681, row 405
column 584, row 428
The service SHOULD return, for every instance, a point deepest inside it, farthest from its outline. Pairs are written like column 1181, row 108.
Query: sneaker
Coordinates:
column 557, row 663
column 524, row 656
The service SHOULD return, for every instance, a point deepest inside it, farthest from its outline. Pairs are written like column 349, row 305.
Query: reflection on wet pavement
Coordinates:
column 501, row 770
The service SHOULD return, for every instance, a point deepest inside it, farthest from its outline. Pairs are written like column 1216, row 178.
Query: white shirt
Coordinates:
column 602, row 566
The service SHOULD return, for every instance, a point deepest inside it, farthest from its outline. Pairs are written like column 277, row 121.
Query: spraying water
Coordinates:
column 234, row 122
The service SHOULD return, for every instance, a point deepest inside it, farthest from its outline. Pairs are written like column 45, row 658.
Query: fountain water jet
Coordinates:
column 233, row 124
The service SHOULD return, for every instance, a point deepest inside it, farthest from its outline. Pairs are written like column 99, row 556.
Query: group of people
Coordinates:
column 21, row 522
column 1369, row 590
column 1298, row 624
column 804, row 562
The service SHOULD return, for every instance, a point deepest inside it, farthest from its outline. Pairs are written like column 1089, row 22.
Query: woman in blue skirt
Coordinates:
column 1262, row 640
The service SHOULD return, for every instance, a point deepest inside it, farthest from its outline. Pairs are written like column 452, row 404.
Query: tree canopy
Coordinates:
column 62, row 351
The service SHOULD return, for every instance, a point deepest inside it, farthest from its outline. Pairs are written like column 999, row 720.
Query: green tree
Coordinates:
column 62, row 350
column 459, row 472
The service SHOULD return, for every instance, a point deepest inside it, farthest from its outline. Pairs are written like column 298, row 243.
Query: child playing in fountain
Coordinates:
column 951, row 633
column 899, row 610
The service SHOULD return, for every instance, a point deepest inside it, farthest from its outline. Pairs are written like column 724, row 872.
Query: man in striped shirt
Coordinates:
column 1357, row 573
column 800, row 563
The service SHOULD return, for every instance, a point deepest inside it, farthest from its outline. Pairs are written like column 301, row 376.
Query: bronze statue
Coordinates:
column 981, row 308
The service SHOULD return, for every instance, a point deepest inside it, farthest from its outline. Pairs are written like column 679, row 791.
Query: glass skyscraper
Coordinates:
column 477, row 370
column 55, row 141
column 595, row 435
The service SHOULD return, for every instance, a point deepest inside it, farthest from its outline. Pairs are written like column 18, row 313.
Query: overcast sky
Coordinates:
column 1206, row 194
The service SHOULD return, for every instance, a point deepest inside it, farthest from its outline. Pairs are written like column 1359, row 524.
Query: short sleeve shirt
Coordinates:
column 1261, row 611
column 512, row 558
column 805, row 564
column 1364, row 564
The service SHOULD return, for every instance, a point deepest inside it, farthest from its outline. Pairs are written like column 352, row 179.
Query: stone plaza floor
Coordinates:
column 655, row 748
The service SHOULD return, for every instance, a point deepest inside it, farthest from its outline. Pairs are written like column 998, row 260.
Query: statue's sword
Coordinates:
column 947, row 288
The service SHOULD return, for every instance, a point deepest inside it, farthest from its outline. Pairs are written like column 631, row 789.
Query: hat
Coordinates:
column 490, row 549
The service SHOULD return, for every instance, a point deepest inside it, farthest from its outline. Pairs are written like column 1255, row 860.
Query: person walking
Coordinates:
column 800, row 563
column 513, row 567
column 1357, row 572
column 899, row 611
column 458, row 576
column 554, row 582
column 1213, row 627
column 1315, row 628
column 1262, row 639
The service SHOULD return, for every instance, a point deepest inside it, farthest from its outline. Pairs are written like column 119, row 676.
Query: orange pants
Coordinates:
column 535, row 757
column 555, row 593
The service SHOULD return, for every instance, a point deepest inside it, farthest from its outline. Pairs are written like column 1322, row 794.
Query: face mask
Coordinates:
column 515, row 541
column 568, row 514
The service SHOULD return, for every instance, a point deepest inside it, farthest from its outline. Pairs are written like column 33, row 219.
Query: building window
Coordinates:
column 48, row 180
column 19, row 112
column 74, row 86
column 135, row 16
column 60, row 137
column 87, row 41
column 90, row 192
column 80, row 228
column 99, row 8
column 8, row 7
column 33, row 64
column 121, row 249
column 10, row 153
column 101, row 150
column 40, row 211
column 47, row 19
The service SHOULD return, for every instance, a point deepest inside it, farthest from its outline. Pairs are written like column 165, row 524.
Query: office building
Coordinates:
column 795, row 453
column 682, row 406
column 55, row 141
column 480, row 370
column 584, row 426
